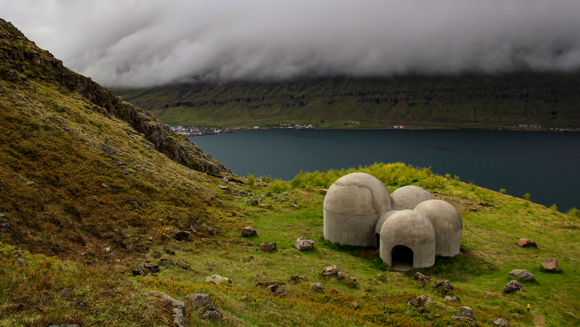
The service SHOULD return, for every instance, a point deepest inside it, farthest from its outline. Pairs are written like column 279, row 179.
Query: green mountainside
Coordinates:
column 467, row 101
column 102, row 207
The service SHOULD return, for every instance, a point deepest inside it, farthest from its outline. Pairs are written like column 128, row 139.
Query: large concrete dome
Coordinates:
column 447, row 224
column 351, row 208
column 408, row 197
column 407, row 241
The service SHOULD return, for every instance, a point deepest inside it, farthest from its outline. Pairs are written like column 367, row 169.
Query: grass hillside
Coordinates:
column 466, row 101
column 92, row 189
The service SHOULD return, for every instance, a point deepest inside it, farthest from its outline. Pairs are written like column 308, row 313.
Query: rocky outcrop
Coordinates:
column 514, row 286
column 522, row 274
column 420, row 301
column 302, row 244
column 268, row 247
column 444, row 286
column 101, row 100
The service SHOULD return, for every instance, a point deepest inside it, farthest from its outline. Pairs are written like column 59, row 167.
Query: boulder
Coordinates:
column 249, row 231
column 522, row 274
column 551, row 265
column 501, row 322
column 145, row 270
column 445, row 286
column 526, row 242
column 423, row 310
column 420, row 278
column 225, row 180
column 317, row 287
column 217, row 279
column 330, row 271
column 254, row 202
column 420, row 301
column 199, row 300
column 183, row 236
column 276, row 290
column 166, row 262
column 268, row 247
column 454, row 299
column 298, row 278
column 514, row 286
column 465, row 312
column 303, row 244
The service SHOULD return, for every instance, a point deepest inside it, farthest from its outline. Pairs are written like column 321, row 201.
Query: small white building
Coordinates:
column 256, row 127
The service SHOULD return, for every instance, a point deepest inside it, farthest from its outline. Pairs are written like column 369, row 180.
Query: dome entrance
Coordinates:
column 402, row 258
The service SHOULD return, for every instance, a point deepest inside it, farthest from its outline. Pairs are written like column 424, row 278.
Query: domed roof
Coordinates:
column 407, row 227
column 357, row 194
column 443, row 216
column 408, row 197
column 382, row 219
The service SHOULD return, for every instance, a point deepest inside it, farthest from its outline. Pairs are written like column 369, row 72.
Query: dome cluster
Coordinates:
column 410, row 227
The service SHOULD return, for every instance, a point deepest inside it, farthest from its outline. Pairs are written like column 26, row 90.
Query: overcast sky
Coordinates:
column 139, row 43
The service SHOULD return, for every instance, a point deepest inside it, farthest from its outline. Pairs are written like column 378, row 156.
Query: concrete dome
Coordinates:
column 408, row 197
column 382, row 219
column 410, row 233
column 447, row 224
column 351, row 208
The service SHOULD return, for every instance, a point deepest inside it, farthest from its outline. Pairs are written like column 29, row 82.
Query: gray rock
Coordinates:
column 514, row 286
column 183, row 236
column 420, row 278
column 501, row 322
column 466, row 312
column 298, row 278
column 445, row 286
column 200, row 300
column 268, row 247
column 317, row 287
column 330, row 271
column 276, row 290
column 461, row 318
column 212, row 315
column 302, row 244
column 217, row 279
column 249, row 231
column 225, row 179
column 454, row 299
column 420, row 301
column 522, row 274
column 255, row 202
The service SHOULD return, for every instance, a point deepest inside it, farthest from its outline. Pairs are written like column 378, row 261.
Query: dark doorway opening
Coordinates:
column 402, row 258
column 378, row 241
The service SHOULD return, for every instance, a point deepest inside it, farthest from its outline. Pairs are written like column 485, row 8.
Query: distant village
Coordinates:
column 199, row 131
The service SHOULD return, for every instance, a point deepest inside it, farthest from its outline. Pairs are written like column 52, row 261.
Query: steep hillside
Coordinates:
column 467, row 101
column 81, row 169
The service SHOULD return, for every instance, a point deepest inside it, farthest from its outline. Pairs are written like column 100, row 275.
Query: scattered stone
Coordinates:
column 107, row 250
column 444, row 286
column 254, row 202
column 420, row 301
column 217, row 279
column 294, row 205
column 166, row 262
column 317, row 287
column 225, row 180
column 465, row 312
column 298, row 278
column 199, row 300
column 276, row 290
column 454, row 299
column 268, row 247
column 65, row 293
column 21, row 262
column 423, row 310
column 330, row 271
column 322, row 191
column 514, row 286
column 356, row 305
column 303, row 244
column 178, row 308
column 551, row 265
column 145, row 270
column 420, row 278
column 571, row 315
column 461, row 319
column 183, row 236
column 522, row 274
column 526, row 242
column 223, row 187
column 212, row 315
column 501, row 322
column 249, row 231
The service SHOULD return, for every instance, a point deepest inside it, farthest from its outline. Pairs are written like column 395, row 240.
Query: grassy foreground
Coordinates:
column 489, row 253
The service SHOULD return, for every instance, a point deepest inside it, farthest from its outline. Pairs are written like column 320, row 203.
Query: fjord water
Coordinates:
column 544, row 164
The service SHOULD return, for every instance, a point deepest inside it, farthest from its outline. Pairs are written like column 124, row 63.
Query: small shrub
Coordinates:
column 471, row 186
column 573, row 213
column 448, row 177
column 527, row 196
column 251, row 181
column 502, row 191
column 554, row 208
column 456, row 178
column 278, row 185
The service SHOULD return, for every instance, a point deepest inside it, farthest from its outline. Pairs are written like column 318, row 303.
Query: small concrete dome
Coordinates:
column 408, row 241
column 447, row 224
column 351, row 208
column 380, row 223
column 408, row 197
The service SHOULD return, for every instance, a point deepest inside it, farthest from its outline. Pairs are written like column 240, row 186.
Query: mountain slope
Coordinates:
column 81, row 170
column 487, row 101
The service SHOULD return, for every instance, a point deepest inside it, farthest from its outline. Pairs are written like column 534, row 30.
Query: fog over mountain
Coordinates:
column 131, row 43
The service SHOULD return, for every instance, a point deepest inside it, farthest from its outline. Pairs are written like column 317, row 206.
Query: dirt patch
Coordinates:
column 369, row 254
column 462, row 204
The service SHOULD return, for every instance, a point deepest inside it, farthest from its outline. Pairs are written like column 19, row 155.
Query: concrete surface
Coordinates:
column 408, row 197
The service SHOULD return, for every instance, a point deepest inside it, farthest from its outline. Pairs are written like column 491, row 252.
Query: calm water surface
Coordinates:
column 540, row 163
